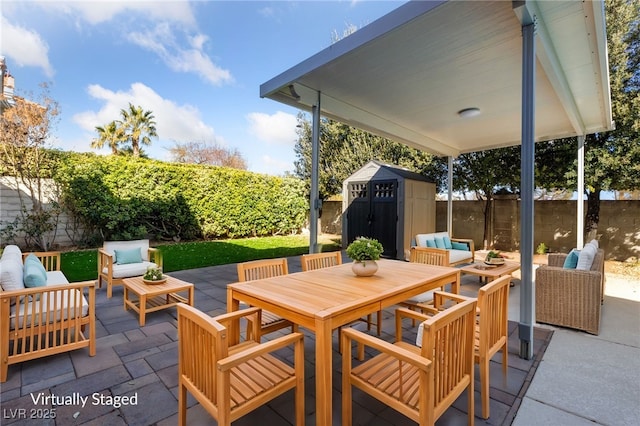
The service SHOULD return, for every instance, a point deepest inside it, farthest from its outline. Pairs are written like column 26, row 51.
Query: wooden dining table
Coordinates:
column 322, row 300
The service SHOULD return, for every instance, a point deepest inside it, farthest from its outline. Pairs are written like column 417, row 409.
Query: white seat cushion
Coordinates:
column 56, row 278
column 130, row 269
column 427, row 296
column 50, row 302
column 459, row 255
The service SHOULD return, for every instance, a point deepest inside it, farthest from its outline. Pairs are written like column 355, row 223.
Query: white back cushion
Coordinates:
column 585, row 259
column 111, row 246
column 12, row 270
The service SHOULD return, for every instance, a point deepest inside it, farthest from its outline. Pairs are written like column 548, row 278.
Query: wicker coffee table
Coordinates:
column 490, row 272
column 154, row 297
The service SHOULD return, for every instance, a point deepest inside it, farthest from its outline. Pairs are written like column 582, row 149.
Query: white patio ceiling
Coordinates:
column 406, row 75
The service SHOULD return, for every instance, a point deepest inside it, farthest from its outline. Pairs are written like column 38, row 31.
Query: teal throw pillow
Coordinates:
column 124, row 257
column 34, row 273
column 571, row 261
column 431, row 243
column 447, row 243
column 439, row 242
column 459, row 246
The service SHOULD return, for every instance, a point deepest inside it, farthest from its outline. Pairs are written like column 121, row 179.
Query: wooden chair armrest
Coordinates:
column 380, row 345
column 441, row 297
column 105, row 260
column 402, row 313
column 256, row 350
column 252, row 314
column 467, row 241
column 48, row 288
column 155, row 256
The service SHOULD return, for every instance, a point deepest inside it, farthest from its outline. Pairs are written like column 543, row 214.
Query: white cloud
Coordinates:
column 272, row 166
column 279, row 128
column 25, row 47
column 96, row 12
column 181, row 123
column 162, row 41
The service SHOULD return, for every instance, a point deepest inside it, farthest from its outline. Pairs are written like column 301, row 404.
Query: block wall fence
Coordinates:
column 554, row 224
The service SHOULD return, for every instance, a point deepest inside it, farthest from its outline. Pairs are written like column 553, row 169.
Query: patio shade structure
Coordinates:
column 451, row 77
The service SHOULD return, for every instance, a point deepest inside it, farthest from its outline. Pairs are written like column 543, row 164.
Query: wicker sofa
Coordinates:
column 570, row 297
column 41, row 314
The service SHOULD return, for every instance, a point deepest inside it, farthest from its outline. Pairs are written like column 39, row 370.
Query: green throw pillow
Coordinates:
column 128, row 256
column 571, row 261
column 34, row 273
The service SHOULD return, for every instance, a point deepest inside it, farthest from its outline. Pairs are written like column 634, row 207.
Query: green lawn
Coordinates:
column 82, row 265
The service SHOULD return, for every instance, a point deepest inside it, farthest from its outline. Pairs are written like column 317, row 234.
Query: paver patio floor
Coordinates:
column 142, row 362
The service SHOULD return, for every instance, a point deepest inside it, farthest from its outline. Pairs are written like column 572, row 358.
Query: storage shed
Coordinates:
column 388, row 203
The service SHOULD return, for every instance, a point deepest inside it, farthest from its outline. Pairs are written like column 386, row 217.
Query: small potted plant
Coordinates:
column 153, row 276
column 364, row 252
column 494, row 258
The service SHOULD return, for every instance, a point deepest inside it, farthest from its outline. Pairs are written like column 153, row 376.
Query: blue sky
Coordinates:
column 196, row 65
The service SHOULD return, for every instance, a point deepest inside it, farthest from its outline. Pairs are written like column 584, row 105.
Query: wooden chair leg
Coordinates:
column 484, row 387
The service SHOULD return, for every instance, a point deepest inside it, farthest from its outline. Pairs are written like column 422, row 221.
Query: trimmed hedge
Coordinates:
column 127, row 198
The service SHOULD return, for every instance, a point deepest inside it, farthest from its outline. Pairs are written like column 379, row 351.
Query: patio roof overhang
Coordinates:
column 406, row 75
column 534, row 70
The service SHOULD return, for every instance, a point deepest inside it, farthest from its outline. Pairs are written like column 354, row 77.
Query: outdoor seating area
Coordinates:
column 41, row 314
column 133, row 360
column 133, row 378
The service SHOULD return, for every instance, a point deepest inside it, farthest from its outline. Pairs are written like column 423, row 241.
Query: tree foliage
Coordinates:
column 344, row 150
column 210, row 153
column 111, row 135
column 121, row 197
column 136, row 127
column 25, row 129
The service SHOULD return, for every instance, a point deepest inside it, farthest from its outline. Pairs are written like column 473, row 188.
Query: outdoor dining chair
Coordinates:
column 419, row 382
column 491, row 335
column 231, row 381
column 428, row 256
column 266, row 268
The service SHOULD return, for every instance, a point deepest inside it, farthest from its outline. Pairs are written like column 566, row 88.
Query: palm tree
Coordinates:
column 138, row 126
column 111, row 134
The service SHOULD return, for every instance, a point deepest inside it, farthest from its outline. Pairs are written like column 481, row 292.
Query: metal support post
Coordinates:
column 525, row 329
column 314, row 199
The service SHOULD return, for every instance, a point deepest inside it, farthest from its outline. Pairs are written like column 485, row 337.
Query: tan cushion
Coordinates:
column 55, row 305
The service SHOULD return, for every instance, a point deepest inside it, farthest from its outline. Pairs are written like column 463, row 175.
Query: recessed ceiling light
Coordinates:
column 469, row 112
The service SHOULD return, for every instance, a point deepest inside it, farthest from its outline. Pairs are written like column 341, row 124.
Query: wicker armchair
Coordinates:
column 569, row 297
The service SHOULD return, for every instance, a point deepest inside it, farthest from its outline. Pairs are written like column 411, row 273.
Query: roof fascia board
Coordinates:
column 546, row 54
column 383, row 25
column 550, row 62
column 600, row 25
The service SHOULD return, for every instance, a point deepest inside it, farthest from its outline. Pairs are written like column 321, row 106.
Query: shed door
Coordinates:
column 373, row 212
